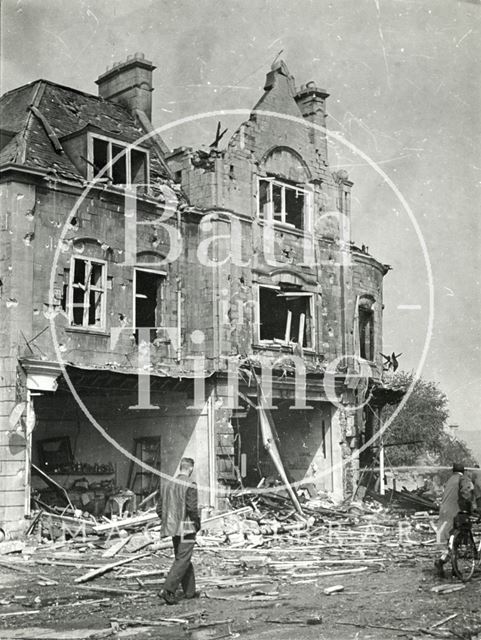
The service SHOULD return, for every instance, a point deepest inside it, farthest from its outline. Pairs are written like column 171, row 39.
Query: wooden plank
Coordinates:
column 227, row 514
column 120, row 591
column 19, row 613
column 126, row 522
column 108, row 567
column 115, row 548
column 336, row 572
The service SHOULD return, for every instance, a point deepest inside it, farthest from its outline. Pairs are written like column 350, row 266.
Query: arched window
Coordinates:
column 366, row 327
column 282, row 193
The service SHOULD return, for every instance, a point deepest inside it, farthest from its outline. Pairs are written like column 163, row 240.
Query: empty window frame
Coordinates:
column 283, row 202
column 286, row 315
column 130, row 167
column 148, row 287
column 86, row 293
column 366, row 331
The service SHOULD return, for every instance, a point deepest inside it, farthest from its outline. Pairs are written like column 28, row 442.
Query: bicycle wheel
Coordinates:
column 464, row 554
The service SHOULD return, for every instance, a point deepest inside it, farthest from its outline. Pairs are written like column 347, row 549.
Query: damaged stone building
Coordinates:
column 148, row 297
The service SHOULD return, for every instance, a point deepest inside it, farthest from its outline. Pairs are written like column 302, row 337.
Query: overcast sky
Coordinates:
column 403, row 78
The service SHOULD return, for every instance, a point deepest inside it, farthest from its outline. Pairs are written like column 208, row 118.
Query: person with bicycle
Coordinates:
column 476, row 477
column 458, row 497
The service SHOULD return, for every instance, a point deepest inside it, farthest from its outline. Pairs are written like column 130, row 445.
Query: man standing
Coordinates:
column 476, row 478
column 457, row 496
column 180, row 518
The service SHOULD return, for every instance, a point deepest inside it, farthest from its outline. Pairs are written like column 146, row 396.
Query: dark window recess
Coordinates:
column 100, row 156
column 95, row 298
column 78, row 292
column 65, row 284
column 277, row 190
column 148, row 288
column 366, row 333
column 119, row 166
column 78, row 307
column 294, row 207
column 285, row 316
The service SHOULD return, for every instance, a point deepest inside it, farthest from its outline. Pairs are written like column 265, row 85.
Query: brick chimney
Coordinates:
column 311, row 101
column 129, row 83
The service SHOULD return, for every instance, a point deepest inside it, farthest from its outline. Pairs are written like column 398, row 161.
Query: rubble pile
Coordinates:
column 252, row 552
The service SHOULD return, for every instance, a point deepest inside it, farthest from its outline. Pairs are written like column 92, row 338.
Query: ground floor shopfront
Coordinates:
column 82, row 442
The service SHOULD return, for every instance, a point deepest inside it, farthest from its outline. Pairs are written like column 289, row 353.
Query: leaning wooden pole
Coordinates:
column 270, row 445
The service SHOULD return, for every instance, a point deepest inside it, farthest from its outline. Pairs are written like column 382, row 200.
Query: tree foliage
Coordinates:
column 421, row 422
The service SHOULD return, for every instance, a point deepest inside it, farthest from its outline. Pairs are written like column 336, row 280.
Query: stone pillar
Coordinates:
column 16, row 273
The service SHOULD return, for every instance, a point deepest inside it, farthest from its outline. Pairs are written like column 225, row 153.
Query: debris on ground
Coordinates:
column 249, row 556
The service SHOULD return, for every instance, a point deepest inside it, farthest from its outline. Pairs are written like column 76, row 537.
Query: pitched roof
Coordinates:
column 67, row 111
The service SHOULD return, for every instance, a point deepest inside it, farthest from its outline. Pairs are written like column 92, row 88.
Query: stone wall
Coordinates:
column 18, row 201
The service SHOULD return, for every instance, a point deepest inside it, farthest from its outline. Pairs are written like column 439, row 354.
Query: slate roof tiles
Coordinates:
column 66, row 111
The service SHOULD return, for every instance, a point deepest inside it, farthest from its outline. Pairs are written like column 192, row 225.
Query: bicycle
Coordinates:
column 465, row 555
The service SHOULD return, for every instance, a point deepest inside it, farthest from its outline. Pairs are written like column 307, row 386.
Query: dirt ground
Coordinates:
column 391, row 599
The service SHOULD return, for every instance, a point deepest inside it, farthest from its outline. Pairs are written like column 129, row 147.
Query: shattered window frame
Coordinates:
column 309, row 330
column 88, row 288
column 127, row 158
column 271, row 190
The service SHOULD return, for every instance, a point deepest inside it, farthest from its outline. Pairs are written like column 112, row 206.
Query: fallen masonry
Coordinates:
column 247, row 554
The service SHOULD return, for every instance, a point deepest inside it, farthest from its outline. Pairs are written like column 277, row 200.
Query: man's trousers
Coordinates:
column 182, row 571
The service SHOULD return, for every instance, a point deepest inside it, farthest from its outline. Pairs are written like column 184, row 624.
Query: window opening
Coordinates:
column 283, row 202
column 366, row 332
column 148, row 299
column 119, row 166
column 285, row 315
column 87, row 293
column 101, row 154
column 131, row 167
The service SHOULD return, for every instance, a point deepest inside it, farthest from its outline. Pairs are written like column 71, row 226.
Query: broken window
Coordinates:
column 119, row 165
column 366, row 329
column 283, row 202
column 285, row 315
column 148, row 299
column 124, row 165
column 86, row 294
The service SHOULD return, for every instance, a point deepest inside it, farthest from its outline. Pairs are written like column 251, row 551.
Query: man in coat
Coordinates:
column 476, row 478
column 178, row 511
column 457, row 496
